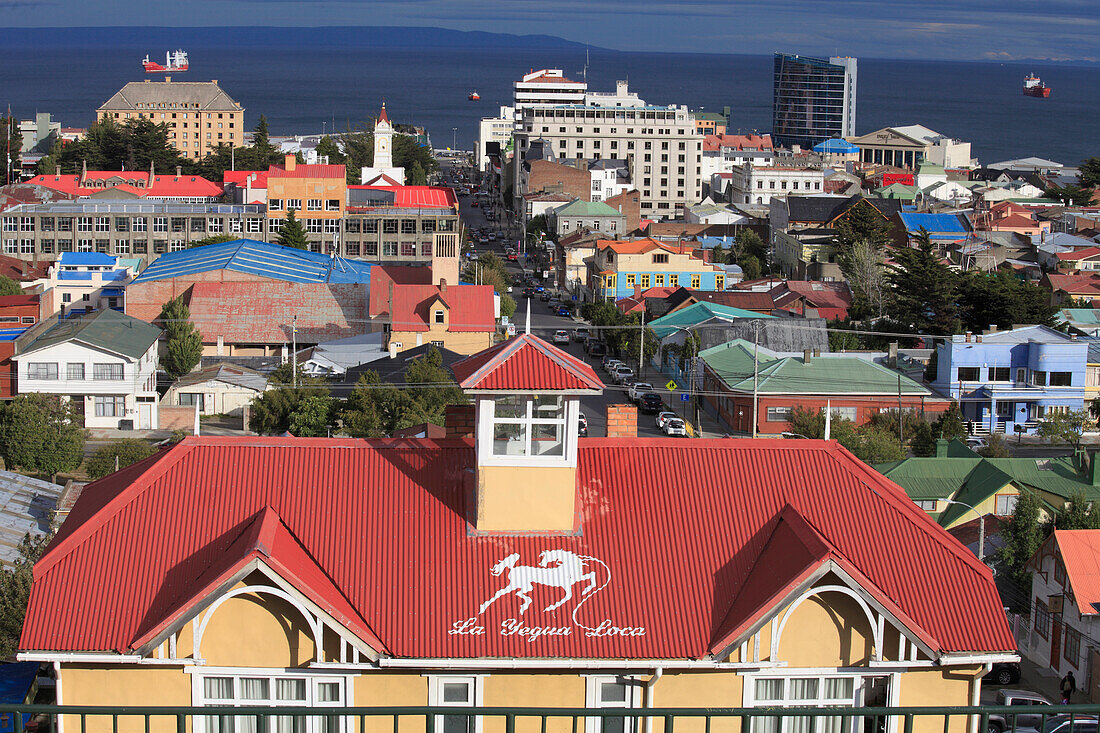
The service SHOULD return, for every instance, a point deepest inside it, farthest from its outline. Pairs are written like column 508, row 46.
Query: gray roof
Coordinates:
column 201, row 95
column 106, row 329
column 228, row 373
column 26, row 505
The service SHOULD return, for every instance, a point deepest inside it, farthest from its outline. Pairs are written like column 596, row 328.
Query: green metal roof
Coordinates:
column 898, row 191
column 823, row 375
column 587, row 208
column 697, row 313
column 1081, row 315
column 973, row 479
column 106, row 329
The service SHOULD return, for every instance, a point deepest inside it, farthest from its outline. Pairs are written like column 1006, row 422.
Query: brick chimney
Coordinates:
column 289, row 162
column 442, row 286
column 622, row 421
column 458, row 420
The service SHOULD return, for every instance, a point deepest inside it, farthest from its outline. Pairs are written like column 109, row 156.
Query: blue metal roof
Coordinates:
column 87, row 258
column 257, row 258
column 111, row 292
column 836, row 145
column 11, row 334
column 932, row 222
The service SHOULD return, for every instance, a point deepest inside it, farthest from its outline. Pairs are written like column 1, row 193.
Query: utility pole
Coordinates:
column 294, row 350
column 641, row 347
column 901, row 422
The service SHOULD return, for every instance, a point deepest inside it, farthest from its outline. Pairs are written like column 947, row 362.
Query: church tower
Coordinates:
column 383, row 141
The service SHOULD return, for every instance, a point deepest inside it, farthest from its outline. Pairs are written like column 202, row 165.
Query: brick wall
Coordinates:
column 459, row 421
column 622, row 421
column 177, row 418
column 558, row 178
column 630, row 203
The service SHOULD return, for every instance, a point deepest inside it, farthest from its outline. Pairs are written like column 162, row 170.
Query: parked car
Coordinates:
column 639, row 388
column 610, row 364
column 675, row 426
column 1004, row 673
column 1030, row 718
column 580, row 335
column 553, row 305
column 561, row 337
column 976, row 443
column 596, row 349
column 512, row 257
column 564, row 311
column 1065, row 723
column 582, row 426
column 622, row 373
column 650, row 403
column 663, row 417
column 544, row 295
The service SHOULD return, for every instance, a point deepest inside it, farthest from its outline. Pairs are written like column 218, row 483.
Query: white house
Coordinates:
column 1065, row 617
column 220, row 389
column 760, row 184
column 105, row 362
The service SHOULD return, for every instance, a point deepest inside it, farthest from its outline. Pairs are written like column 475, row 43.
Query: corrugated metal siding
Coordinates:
column 679, row 525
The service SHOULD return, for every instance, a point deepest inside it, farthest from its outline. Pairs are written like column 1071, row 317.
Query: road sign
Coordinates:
column 672, row 386
column 685, row 397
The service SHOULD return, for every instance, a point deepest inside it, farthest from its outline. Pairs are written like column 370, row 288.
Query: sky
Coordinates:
column 995, row 30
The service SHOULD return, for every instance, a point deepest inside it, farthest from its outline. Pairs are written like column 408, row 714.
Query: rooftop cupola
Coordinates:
column 526, row 410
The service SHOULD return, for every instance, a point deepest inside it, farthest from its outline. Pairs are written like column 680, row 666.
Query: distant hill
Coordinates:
column 154, row 39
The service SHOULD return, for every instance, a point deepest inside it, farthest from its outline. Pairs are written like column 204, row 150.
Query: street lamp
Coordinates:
column 454, row 138
column 981, row 525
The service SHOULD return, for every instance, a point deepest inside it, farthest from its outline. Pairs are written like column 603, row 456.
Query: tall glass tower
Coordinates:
column 813, row 99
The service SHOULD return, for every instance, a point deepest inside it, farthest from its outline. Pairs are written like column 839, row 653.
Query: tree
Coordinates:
column 922, row 288
column 1089, row 173
column 212, row 239
column 133, row 145
column 41, row 434
column 184, row 342
column 312, row 416
column 416, row 176
column 997, row 447
column 1022, row 535
column 1069, row 195
column 328, row 148
column 358, row 147
column 861, row 223
column 125, row 451
column 407, row 151
column 264, row 154
column 507, row 305
column 15, row 591
column 309, row 410
column 293, row 234
column 9, row 286
column 1064, row 427
column 862, row 265
column 949, row 424
column 375, row 409
column 11, row 146
column 1003, row 300
column 750, row 267
column 869, row 443
column 1077, row 514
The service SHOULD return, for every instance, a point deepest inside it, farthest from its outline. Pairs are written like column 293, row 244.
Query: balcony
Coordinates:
column 446, row 719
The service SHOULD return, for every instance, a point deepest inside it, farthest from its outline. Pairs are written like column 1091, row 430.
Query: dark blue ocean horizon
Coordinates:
column 310, row 90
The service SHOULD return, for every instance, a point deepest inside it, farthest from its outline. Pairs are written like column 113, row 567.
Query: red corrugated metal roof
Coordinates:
column 381, row 276
column 677, row 533
column 162, row 186
column 525, row 362
column 470, row 307
column 1079, row 254
column 240, row 177
column 417, row 197
column 306, row 170
column 1080, row 550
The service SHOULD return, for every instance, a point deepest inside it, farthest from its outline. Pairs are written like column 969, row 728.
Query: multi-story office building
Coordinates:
column 659, row 144
column 813, row 99
column 494, row 130
column 199, row 114
column 546, row 86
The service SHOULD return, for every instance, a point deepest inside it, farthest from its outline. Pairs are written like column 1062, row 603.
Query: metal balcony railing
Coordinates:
column 447, row 719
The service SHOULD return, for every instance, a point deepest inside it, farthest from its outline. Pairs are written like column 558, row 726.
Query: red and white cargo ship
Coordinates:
column 1034, row 87
column 173, row 61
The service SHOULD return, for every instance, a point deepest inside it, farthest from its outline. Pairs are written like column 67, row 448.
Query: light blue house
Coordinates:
column 1006, row 380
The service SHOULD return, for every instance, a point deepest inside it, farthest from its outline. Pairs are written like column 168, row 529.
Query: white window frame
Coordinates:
column 487, row 420
column 593, row 686
column 435, row 696
column 313, row 680
column 859, row 678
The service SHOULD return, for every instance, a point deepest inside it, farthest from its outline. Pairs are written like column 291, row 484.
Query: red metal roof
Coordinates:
column 417, row 197
column 1079, row 254
column 382, row 276
column 525, row 362
column 1080, row 550
column 470, row 307
column 240, row 177
column 690, row 540
column 136, row 182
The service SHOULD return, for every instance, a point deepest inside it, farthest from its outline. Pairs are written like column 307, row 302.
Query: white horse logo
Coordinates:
column 556, row 568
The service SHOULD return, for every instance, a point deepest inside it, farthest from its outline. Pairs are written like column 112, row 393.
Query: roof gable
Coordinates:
column 526, row 363
column 107, row 330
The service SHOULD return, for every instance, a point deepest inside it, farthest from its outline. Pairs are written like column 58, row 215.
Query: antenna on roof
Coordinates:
column 527, row 324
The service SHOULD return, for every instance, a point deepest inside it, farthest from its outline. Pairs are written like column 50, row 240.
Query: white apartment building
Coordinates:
column 546, row 86
column 759, row 184
column 494, row 130
column 659, row 144
column 721, row 152
column 104, row 362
